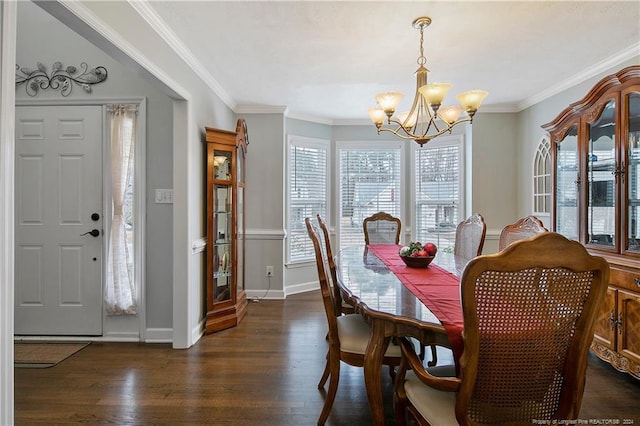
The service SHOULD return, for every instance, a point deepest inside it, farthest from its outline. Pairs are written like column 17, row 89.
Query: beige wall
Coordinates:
column 494, row 171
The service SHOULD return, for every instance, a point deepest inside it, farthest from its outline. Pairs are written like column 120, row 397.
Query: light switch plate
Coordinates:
column 164, row 196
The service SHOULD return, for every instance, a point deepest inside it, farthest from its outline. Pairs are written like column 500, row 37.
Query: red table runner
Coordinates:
column 437, row 289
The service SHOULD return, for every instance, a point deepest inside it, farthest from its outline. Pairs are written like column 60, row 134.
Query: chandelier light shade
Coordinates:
column 427, row 118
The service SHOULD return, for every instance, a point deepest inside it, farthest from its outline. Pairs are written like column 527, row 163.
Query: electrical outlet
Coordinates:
column 269, row 271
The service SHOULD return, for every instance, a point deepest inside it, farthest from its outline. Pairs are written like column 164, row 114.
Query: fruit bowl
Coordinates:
column 417, row 261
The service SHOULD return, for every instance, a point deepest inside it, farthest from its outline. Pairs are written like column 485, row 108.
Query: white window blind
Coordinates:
column 438, row 192
column 308, row 192
column 370, row 181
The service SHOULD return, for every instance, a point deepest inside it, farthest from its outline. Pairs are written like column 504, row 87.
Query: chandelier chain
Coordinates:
column 427, row 118
column 421, row 59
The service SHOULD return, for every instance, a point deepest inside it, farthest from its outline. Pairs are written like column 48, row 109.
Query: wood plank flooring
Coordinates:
column 263, row 372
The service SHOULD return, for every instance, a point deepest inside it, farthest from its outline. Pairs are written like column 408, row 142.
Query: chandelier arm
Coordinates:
column 421, row 139
column 421, row 122
column 396, row 133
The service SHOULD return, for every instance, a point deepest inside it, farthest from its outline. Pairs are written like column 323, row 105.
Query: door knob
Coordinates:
column 93, row 233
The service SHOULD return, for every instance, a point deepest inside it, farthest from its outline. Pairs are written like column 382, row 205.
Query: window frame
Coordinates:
column 542, row 155
column 313, row 143
column 371, row 145
column 455, row 140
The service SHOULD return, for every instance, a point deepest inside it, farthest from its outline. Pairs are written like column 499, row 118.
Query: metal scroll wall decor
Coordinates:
column 60, row 78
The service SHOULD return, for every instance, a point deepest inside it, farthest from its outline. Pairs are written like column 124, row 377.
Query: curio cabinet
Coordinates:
column 225, row 249
column 596, row 156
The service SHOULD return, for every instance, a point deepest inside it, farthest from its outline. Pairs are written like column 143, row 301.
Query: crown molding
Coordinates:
column 156, row 23
column 352, row 122
column 159, row 26
column 593, row 71
column 311, row 118
column 260, row 109
column 79, row 18
column 280, row 109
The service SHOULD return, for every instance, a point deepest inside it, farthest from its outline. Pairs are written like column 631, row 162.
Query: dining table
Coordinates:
column 401, row 301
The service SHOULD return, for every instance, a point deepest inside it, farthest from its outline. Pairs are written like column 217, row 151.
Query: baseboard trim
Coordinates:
column 302, row 288
column 159, row 335
column 265, row 294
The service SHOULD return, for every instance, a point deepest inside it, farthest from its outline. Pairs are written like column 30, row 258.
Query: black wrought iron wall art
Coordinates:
column 61, row 78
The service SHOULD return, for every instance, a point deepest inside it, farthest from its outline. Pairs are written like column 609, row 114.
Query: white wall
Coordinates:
column 7, row 136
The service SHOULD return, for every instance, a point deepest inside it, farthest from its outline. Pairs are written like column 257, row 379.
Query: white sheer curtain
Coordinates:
column 120, row 291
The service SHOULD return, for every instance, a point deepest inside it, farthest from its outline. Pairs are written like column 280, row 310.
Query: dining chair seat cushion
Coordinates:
column 437, row 407
column 354, row 335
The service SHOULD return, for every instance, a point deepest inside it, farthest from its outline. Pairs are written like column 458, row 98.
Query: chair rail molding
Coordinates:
column 266, row 234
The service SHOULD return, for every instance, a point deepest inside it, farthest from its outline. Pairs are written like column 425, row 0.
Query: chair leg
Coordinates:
column 325, row 374
column 434, row 356
column 334, row 377
column 399, row 408
column 421, row 356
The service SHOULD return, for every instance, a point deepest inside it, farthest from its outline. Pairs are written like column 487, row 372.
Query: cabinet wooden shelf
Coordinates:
column 596, row 187
column 225, row 250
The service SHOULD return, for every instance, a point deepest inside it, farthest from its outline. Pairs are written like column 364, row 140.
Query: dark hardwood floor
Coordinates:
column 263, row 372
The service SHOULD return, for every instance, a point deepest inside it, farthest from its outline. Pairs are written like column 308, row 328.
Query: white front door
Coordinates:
column 58, row 203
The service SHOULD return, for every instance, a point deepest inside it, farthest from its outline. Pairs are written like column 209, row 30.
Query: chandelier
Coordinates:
column 427, row 118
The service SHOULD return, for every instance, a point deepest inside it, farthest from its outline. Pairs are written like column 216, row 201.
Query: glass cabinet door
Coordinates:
column 222, row 259
column 240, row 231
column 633, row 172
column 222, row 164
column 567, row 181
column 601, row 178
column 222, row 225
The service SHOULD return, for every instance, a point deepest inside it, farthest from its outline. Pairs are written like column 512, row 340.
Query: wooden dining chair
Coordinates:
column 470, row 234
column 524, row 228
column 529, row 316
column 341, row 305
column 381, row 228
column 348, row 334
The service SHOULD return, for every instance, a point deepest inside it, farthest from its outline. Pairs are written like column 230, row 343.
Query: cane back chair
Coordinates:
column 470, row 234
column 529, row 314
column 381, row 228
column 524, row 228
column 341, row 305
column 348, row 334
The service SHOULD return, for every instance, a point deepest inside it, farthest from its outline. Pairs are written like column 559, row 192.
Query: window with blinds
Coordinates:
column 308, row 192
column 439, row 193
column 369, row 182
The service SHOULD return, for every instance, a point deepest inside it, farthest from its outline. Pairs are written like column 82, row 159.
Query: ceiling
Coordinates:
column 326, row 60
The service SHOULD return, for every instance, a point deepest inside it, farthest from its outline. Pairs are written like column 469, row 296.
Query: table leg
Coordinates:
column 376, row 348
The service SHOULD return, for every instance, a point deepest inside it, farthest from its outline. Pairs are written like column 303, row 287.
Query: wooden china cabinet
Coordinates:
column 226, row 299
column 596, row 177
